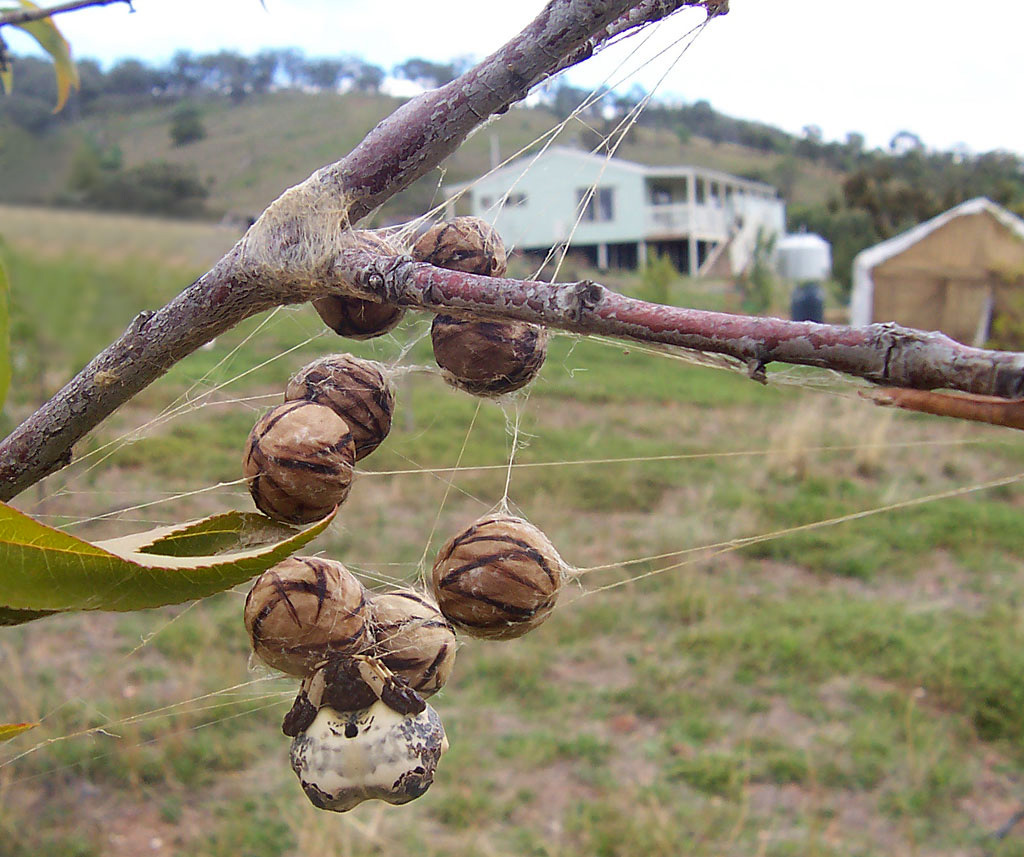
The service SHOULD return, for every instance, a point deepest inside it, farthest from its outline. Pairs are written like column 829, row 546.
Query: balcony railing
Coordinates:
column 707, row 221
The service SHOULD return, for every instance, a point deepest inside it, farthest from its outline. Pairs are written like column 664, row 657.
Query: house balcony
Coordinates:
column 679, row 220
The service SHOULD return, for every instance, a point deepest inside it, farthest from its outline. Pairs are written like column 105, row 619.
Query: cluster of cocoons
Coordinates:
column 359, row 725
column 300, row 456
column 485, row 358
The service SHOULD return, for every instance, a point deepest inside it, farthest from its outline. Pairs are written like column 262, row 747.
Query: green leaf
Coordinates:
column 45, row 32
column 10, row 730
column 44, row 569
column 5, row 330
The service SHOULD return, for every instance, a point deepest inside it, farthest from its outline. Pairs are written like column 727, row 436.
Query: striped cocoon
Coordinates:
column 497, row 579
column 303, row 610
column 413, row 639
column 357, row 390
column 298, row 462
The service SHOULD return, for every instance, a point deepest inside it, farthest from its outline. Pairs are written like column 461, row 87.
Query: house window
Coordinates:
column 701, row 187
column 599, row 206
column 516, row 200
column 486, row 201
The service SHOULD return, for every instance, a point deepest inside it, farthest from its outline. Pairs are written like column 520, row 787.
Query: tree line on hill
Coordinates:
column 882, row 191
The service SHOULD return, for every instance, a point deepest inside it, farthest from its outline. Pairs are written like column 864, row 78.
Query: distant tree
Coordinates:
column 30, row 105
column 323, row 74
column 263, row 70
column 156, row 187
column 185, row 74
column 227, row 72
column 427, row 73
column 92, row 84
column 187, row 125
column 133, row 77
column 904, row 142
column 293, row 63
column 365, row 76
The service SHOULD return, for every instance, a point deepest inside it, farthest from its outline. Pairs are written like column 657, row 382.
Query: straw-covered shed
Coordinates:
column 961, row 272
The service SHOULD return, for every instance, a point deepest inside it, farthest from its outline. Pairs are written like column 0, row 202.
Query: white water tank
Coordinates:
column 805, row 257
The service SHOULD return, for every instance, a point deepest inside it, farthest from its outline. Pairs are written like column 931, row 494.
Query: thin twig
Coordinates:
column 27, row 16
column 979, row 409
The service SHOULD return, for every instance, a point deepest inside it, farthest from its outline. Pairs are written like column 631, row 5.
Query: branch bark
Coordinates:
column 26, row 16
column 287, row 255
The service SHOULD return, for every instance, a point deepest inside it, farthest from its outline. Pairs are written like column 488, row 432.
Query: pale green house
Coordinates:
column 616, row 211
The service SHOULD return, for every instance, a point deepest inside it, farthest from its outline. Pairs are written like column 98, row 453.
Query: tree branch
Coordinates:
column 643, row 13
column 286, row 256
column 881, row 353
column 26, row 16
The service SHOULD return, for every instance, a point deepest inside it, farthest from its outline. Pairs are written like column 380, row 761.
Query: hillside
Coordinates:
column 255, row 149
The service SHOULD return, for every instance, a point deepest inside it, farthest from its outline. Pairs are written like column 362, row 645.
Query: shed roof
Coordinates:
column 867, row 260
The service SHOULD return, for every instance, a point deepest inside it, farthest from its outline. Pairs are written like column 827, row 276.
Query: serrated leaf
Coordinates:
column 46, row 569
column 5, row 330
column 10, row 730
column 45, row 32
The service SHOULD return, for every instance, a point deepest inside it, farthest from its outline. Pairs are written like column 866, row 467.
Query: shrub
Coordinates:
column 187, row 125
column 155, row 187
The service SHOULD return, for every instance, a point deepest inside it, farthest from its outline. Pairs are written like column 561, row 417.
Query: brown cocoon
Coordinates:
column 298, row 462
column 413, row 639
column 357, row 318
column 356, row 390
column 466, row 244
column 488, row 358
column 497, row 579
column 304, row 610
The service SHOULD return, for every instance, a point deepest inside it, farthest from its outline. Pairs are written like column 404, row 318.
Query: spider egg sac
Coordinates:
column 485, row 358
column 497, row 579
column 357, row 390
column 488, row 358
column 304, row 610
column 298, row 462
column 413, row 639
column 357, row 318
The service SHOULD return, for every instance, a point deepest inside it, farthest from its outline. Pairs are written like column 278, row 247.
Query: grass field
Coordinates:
column 852, row 688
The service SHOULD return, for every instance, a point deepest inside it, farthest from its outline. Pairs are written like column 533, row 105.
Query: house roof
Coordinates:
column 867, row 260
column 654, row 172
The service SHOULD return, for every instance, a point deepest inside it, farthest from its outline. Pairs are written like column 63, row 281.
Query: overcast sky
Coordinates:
column 949, row 70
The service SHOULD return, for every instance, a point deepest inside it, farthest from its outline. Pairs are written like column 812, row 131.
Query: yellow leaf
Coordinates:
column 10, row 730
column 45, row 32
